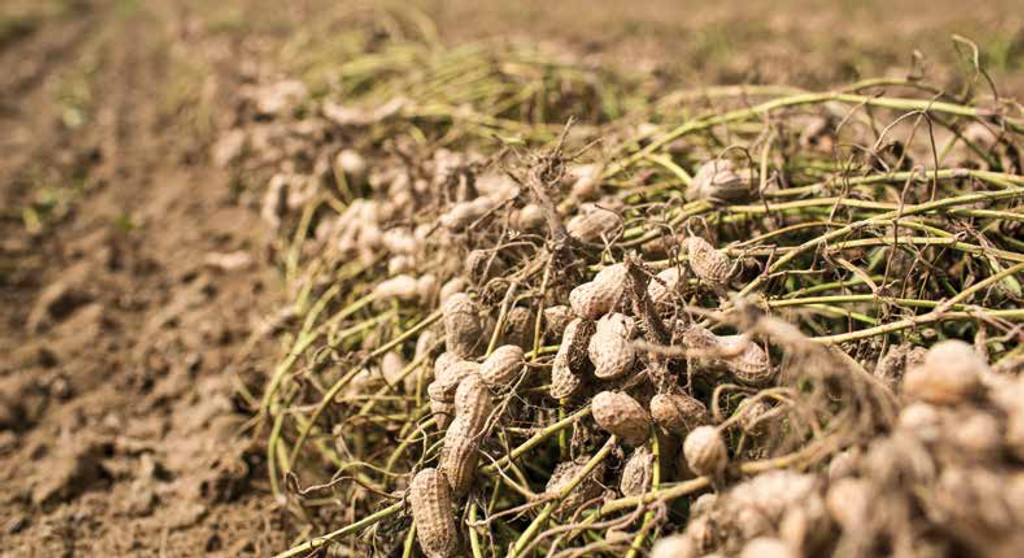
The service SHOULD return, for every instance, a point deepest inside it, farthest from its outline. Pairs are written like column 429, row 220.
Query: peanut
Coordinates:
column 638, row 472
column 433, row 510
column 678, row 413
column 705, row 451
column 462, row 325
column 951, row 373
column 610, row 348
column 503, row 366
column 708, row 264
column 601, row 295
column 621, row 415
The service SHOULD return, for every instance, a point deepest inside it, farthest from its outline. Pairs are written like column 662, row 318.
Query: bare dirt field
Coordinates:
column 144, row 299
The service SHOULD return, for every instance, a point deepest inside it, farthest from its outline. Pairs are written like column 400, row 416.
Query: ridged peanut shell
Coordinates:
column 447, row 378
column 717, row 180
column 747, row 361
column 462, row 325
column 638, row 472
column 705, row 451
column 621, row 415
column 503, row 366
column 599, row 296
column 678, row 413
column 473, row 403
column 592, row 224
column 612, row 354
column 951, row 373
column 459, row 455
column 433, row 510
column 708, row 264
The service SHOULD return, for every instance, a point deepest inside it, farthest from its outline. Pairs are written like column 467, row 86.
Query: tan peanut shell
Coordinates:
column 447, row 379
column 708, row 264
column 433, row 510
column 473, row 403
column 403, row 287
column 674, row 546
column 462, row 326
column 621, row 415
column 598, row 297
column 570, row 363
column 610, row 348
column 638, row 472
column 736, row 354
column 951, row 373
column 678, row 413
column 503, row 366
column 459, row 455
column 766, row 547
column 592, row 223
column 705, row 451
column 717, row 180
column 667, row 281
column 443, row 412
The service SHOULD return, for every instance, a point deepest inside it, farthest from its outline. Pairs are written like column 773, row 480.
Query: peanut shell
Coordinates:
column 433, row 510
column 678, row 413
column 462, row 326
column 503, row 366
column 705, row 451
column 621, row 415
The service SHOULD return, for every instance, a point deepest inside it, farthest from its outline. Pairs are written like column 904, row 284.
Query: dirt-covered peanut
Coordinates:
column 678, row 413
column 610, row 348
column 619, row 414
column 951, row 373
column 462, row 326
column 601, row 295
column 710, row 265
column 705, row 451
column 530, row 218
column 849, row 502
column 895, row 363
column 518, row 328
column 717, row 180
column 588, row 489
column 503, row 366
column 637, row 472
column 433, row 511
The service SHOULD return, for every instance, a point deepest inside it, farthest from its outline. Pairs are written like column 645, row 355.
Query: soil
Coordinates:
column 135, row 286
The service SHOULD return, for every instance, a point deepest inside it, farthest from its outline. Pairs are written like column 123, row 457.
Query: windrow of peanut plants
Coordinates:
column 541, row 308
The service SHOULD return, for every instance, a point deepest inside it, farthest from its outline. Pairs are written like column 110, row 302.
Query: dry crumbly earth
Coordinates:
column 134, row 276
